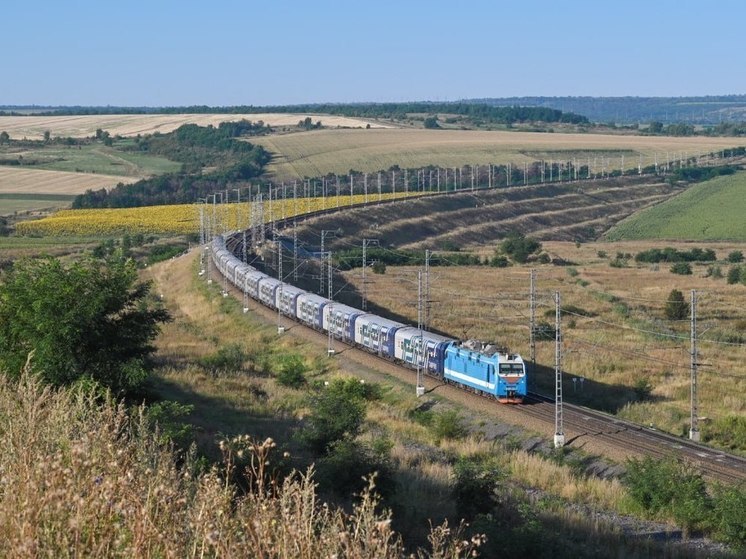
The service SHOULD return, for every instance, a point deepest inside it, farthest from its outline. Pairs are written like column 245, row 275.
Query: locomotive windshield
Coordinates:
column 511, row 369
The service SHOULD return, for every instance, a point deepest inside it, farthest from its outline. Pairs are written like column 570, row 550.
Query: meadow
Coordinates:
column 80, row 126
column 92, row 158
column 633, row 361
column 318, row 152
column 713, row 210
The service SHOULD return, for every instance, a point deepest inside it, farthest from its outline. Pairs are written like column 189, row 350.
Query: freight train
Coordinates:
column 469, row 364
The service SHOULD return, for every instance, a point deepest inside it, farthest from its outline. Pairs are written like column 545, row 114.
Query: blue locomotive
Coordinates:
column 470, row 364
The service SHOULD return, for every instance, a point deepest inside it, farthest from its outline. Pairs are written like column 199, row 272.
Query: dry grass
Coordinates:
column 612, row 349
column 36, row 181
column 79, row 126
column 316, row 153
column 81, row 478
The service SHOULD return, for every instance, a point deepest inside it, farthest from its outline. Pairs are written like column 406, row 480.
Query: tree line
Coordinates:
column 483, row 111
column 231, row 159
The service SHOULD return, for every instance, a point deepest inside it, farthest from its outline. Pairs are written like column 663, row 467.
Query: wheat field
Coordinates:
column 78, row 126
column 318, row 152
column 36, row 181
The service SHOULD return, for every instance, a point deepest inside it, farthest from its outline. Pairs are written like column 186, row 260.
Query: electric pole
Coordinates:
column 366, row 242
column 330, row 296
column 420, row 390
column 559, row 434
column 694, row 422
column 532, row 323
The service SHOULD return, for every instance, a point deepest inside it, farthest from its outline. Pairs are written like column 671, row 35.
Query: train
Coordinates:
column 470, row 364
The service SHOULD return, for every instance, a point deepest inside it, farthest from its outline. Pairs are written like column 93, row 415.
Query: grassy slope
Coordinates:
column 710, row 211
column 337, row 151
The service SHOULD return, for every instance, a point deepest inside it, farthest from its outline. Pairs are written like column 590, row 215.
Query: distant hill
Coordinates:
column 705, row 110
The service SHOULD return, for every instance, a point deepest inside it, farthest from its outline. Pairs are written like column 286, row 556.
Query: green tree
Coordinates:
column 4, row 137
column 735, row 257
column 676, row 307
column 730, row 504
column 47, row 135
column 90, row 320
column 431, row 122
column 337, row 414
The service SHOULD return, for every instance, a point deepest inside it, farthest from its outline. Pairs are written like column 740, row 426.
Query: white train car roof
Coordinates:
column 379, row 321
column 413, row 332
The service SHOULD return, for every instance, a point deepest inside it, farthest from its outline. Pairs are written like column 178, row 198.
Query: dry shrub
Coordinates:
column 83, row 476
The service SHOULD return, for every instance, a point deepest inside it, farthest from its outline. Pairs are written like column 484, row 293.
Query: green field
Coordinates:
column 709, row 211
column 93, row 158
column 13, row 203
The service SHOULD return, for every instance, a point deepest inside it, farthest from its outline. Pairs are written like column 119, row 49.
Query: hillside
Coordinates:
column 318, row 152
column 709, row 211
column 566, row 211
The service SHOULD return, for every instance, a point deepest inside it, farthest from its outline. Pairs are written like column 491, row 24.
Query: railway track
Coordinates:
column 582, row 422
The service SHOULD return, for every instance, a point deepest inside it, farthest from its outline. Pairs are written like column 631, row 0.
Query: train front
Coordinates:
column 511, row 378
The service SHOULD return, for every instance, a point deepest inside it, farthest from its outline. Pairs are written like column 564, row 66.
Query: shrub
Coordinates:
column 499, row 262
column 734, row 275
column 337, row 413
column 292, row 371
column 602, row 254
column 669, row 486
column 735, row 257
column 730, row 504
column 477, row 480
column 519, row 247
column 449, row 425
column 544, row 258
column 379, row 267
column 676, row 307
column 230, row 357
column 345, row 468
column 681, row 268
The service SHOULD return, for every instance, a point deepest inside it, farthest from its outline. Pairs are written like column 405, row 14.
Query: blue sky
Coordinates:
column 132, row 52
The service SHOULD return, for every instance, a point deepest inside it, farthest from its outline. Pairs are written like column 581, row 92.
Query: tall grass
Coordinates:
column 82, row 476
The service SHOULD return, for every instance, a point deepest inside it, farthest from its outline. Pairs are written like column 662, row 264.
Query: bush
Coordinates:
column 676, row 307
column 337, row 413
column 735, row 257
column 477, row 480
column 734, row 275
column 499, row 262
column 602, row 254
column 230, row 357
column 519, row 247
column 448, row 425
column 681, row 268
column 669, row 487
column 379, row 267
column 730, row 504
column 292, row 371
column 347, row 465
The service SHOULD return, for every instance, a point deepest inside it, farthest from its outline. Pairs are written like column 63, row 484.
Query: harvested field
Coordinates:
column 35, row 181
column 319, row 152
column 78, row 126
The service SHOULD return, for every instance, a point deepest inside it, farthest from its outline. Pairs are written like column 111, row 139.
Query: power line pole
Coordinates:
column 324, row 233
column 330, row 296
column 532, row 324
column 295, row 251
column 280, row 327
column 366, row 242
column 694, row 421
column 559, row 434
column 427, row 289
column 420, row 390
